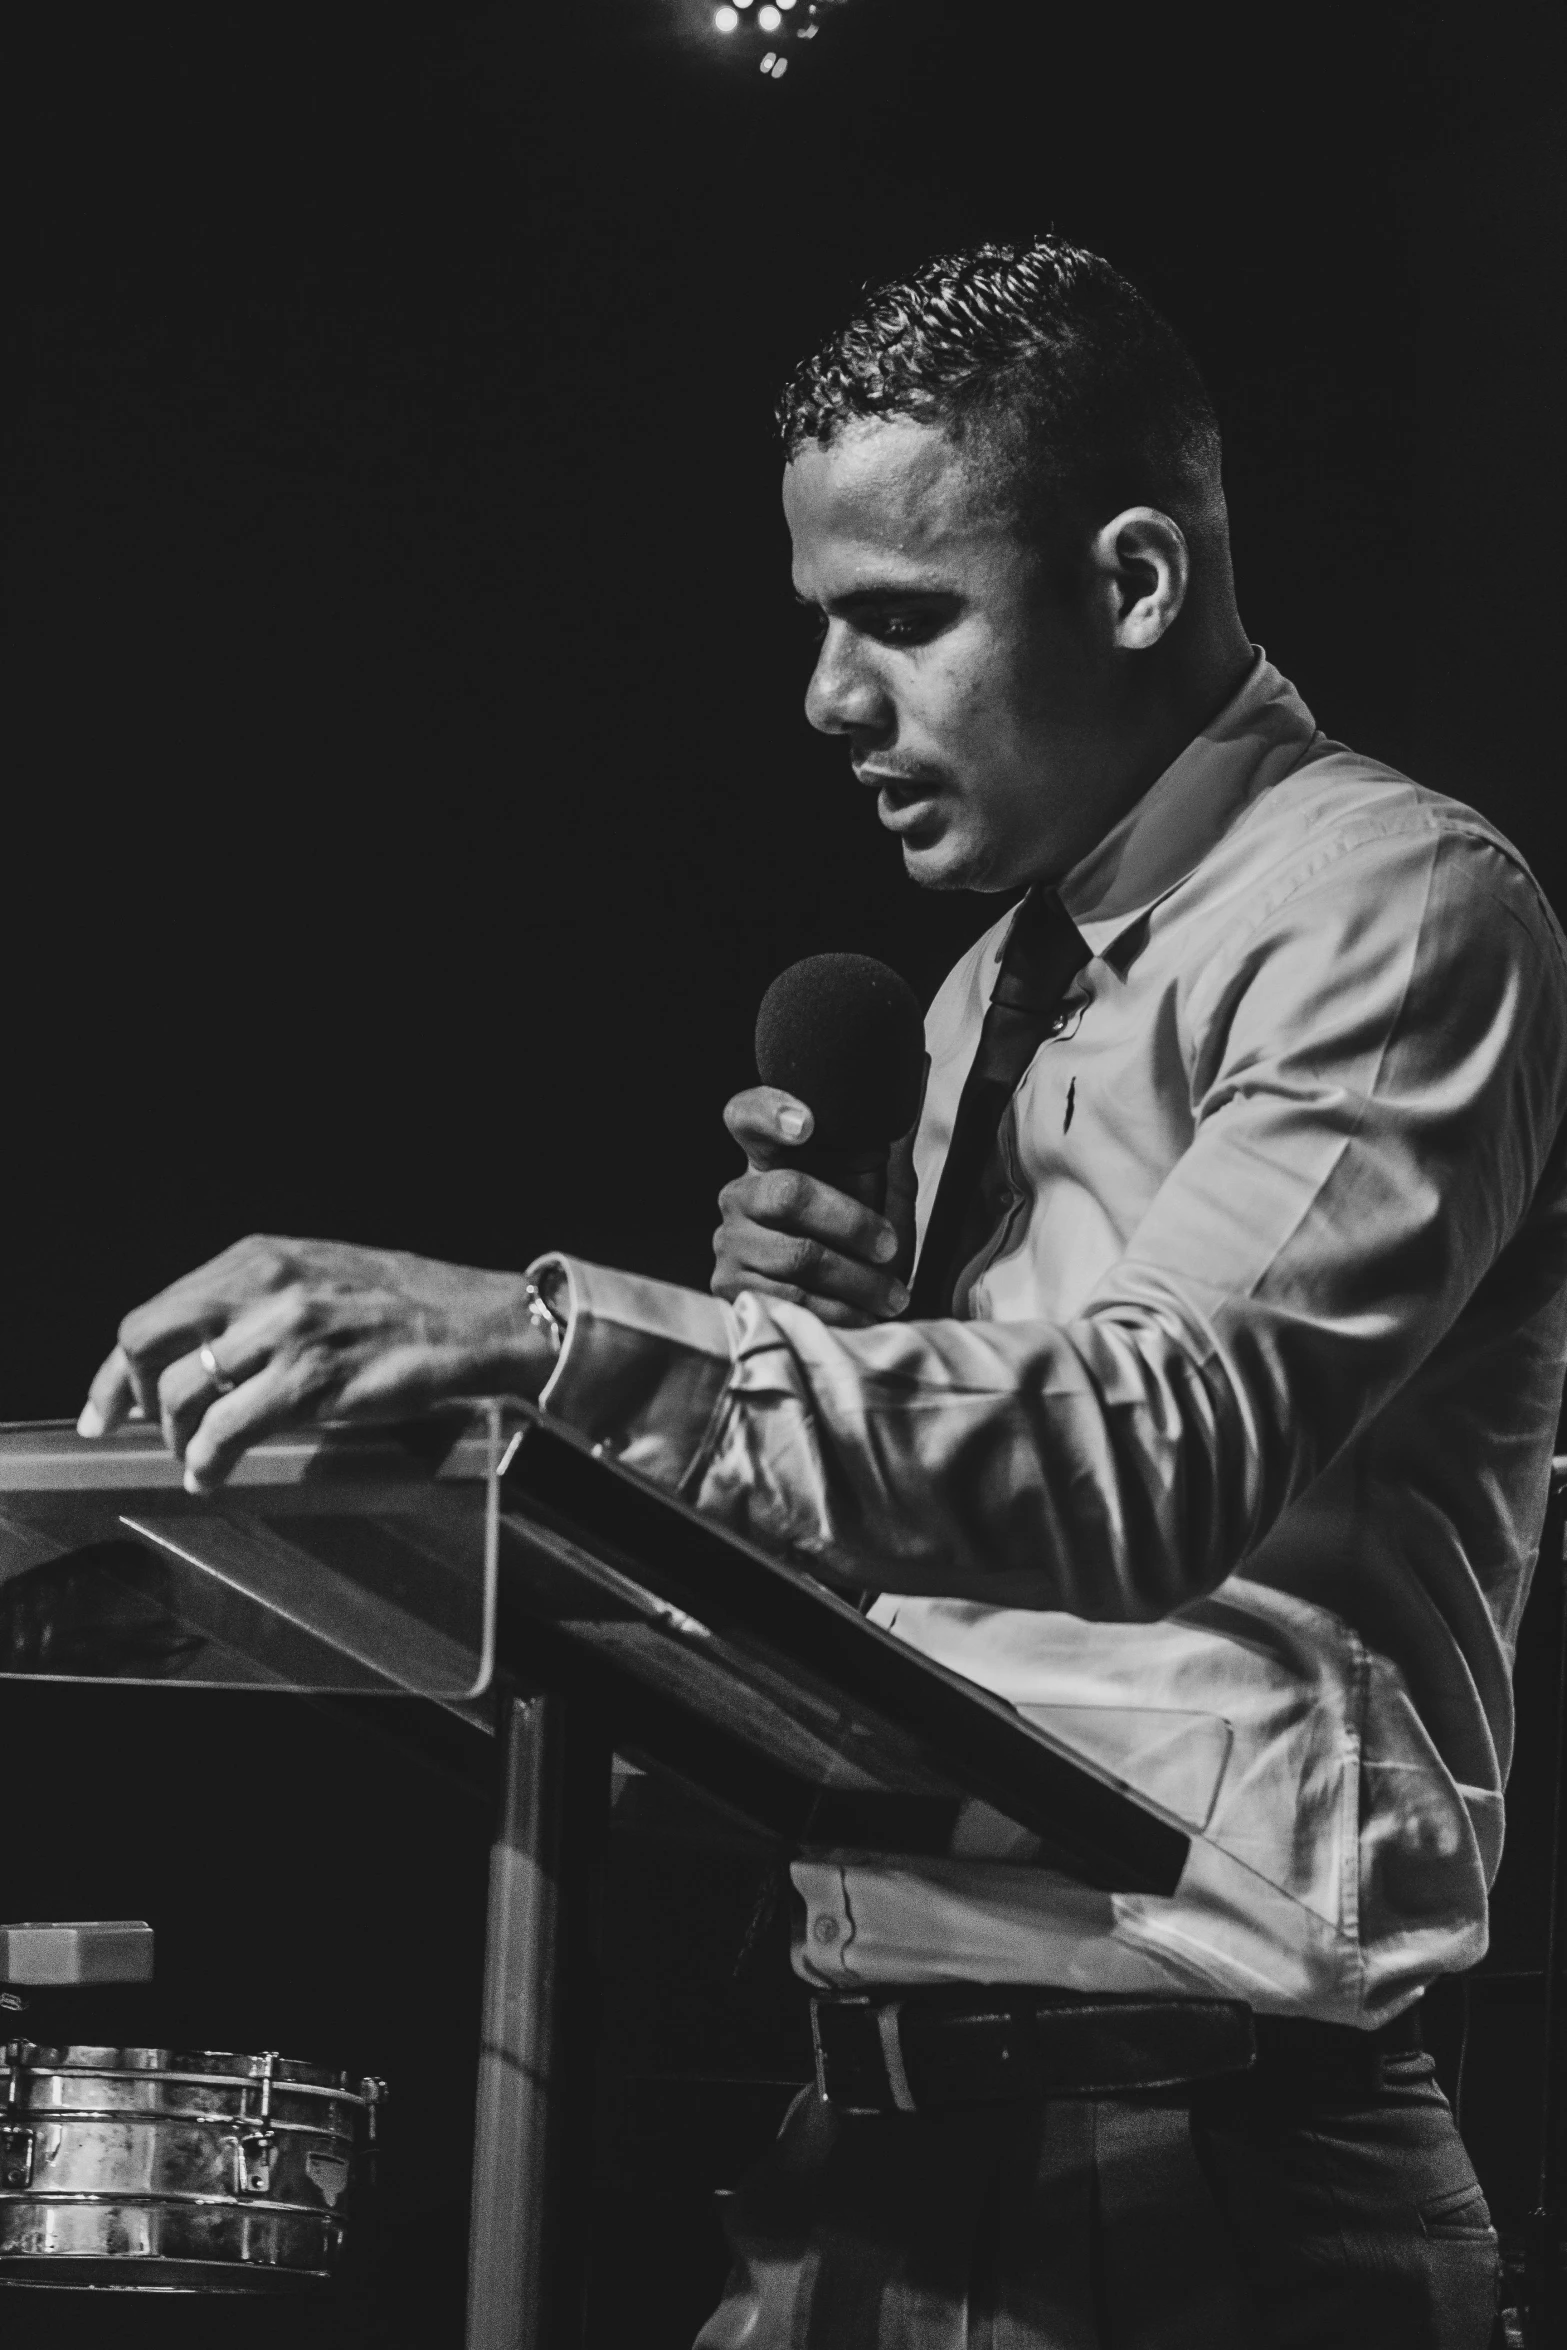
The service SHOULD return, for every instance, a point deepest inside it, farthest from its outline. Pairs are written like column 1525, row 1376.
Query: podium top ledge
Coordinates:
column 47, row 1456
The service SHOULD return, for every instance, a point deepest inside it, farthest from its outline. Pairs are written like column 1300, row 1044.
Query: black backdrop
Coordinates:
column 407, row 795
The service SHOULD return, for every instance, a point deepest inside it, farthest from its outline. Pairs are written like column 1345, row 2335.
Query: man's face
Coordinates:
column 963, row 668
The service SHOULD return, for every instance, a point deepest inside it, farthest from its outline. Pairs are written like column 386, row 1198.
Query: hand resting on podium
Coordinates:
column 275, row 1333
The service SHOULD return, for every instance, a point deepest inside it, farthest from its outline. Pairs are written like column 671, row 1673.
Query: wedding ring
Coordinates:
column 214, row 1369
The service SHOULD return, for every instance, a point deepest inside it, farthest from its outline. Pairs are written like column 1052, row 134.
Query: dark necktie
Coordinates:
column 1043, row 955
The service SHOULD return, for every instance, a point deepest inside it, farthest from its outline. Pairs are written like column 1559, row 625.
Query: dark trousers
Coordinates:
column 1263, row 2213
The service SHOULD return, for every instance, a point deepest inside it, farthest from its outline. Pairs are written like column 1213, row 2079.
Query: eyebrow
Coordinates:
column 890, row 591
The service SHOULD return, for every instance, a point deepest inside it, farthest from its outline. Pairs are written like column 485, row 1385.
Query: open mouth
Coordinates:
column 901, row 800
column 912, row 811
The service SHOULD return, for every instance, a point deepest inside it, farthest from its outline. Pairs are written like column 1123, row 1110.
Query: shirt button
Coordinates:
column 825, row 1930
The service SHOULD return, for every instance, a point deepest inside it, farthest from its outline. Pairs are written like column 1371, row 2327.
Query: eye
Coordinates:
column 905, row 628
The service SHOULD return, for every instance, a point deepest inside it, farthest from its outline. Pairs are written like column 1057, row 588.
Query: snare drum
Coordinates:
column 140, row 2168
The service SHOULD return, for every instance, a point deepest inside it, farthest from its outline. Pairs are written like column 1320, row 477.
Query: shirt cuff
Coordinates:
column 643, row 1365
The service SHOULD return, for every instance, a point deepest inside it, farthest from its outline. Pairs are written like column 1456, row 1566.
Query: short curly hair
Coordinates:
column 1063, row 377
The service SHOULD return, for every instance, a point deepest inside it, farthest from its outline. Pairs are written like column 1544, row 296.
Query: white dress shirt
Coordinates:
column 1232, row 1470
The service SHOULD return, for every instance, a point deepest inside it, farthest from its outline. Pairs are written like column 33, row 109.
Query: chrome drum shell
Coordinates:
column 149, row 2169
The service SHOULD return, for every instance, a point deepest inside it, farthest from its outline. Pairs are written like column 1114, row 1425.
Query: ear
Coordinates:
column 1142, row 568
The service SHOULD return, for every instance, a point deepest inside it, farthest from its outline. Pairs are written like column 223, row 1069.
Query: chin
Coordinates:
column 934, row 859
column 944, row 864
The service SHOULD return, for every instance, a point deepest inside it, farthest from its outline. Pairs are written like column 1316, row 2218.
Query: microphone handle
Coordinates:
column 862, row 1173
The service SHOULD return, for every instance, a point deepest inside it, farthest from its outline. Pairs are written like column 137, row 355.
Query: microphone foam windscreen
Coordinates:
column 847, row 1035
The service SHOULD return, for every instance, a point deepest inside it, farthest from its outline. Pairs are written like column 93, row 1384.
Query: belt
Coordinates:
column 933, row 2052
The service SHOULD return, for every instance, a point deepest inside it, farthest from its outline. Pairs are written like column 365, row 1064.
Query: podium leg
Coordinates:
column 532, row 2135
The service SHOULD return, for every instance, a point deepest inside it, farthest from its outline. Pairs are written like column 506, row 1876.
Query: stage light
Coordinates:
column 780, row 22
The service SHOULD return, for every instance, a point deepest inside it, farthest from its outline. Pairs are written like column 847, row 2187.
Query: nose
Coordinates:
column 845, row 696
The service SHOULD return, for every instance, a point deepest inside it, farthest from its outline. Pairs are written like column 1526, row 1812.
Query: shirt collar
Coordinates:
column 1262, row 732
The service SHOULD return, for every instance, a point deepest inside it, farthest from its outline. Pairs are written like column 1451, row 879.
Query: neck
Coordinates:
column 1200, row 666
column 1166, row 697
column 1186, row 681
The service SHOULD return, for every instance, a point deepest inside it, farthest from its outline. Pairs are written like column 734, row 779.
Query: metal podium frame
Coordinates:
column 494, row 1564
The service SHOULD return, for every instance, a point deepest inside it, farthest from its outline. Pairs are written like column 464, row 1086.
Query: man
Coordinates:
column 1223, row 1449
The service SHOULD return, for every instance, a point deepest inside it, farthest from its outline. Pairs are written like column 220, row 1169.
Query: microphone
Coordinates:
column 846, row 1035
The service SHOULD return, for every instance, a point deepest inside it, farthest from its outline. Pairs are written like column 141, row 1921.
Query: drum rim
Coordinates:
column 371, row 2089
column 198, row 2117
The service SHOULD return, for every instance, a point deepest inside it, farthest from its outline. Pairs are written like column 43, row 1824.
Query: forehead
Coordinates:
column 888, row 494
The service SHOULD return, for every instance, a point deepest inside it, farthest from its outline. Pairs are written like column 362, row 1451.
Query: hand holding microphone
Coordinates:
column 824, row 1213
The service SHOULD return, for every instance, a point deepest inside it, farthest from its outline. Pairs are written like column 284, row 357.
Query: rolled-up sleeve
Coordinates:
column 1375, row 1073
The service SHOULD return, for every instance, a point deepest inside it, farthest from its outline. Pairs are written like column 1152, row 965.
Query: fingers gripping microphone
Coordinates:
column 846, row 1035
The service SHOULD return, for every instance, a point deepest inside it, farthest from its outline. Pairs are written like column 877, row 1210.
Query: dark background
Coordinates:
column 408, row 796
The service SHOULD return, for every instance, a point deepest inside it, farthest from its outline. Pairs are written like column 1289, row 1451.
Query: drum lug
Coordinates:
column 16, row 2155
column 373, row 2091
column 257, row 2150
column 16, row 2139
